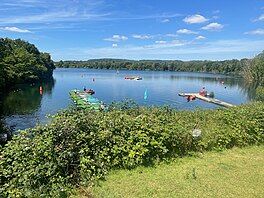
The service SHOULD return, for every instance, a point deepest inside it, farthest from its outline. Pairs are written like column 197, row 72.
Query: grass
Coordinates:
column 237, row 172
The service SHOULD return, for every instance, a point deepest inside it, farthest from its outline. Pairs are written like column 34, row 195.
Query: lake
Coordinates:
column 25, row 106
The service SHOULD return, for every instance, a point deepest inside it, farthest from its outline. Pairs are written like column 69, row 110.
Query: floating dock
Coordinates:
column 84, row 100
column 206, row 99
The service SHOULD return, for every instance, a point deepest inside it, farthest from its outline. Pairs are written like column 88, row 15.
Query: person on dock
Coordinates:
column 190, row 98
column 203, row 92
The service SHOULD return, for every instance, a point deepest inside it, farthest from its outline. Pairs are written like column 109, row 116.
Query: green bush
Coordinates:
column 260, row 94
column 80, row 146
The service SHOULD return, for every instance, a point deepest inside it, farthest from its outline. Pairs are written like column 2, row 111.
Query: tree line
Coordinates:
column 225, row 67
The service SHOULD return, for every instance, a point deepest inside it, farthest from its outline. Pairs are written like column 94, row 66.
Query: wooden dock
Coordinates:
column 206, row 99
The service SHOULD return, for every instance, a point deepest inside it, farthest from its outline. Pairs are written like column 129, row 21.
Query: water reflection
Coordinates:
column 21, row 107
column 26, row 99
column 5, row 134
column 229, row 81
column 249, row 89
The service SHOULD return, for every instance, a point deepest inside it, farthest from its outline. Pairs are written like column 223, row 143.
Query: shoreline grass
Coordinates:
column 237, row 172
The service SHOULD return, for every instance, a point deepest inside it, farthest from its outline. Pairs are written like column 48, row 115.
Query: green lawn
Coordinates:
column 231, row 173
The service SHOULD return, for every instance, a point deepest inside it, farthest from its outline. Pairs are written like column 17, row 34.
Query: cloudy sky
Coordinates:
column 137, row 29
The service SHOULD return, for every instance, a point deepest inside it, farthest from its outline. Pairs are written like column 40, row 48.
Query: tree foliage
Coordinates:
column 254, row 70
column 21, row 62
column 260, row 94
column 225, row 67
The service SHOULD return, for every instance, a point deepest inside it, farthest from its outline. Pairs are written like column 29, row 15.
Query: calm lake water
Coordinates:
column 25, row 107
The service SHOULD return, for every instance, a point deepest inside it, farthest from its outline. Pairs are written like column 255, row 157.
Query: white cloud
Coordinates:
column 50, row 11
column 143, row 37
column 166, row 44
column 256, row 32
column 159, row 16
column 200, row 37
column 171, row 35
column 160, row 42
column 216, row 11
column 213, row 26
column 215, row 17
column 60, row 16
column 114, row 45
column 116, row 38
column 165, row 20
column 197, row 18
column 186, row 31
column 171, row 50
column 15, row 29
column 260, row 18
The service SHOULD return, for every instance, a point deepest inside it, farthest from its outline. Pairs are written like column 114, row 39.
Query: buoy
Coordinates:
column 93, row 79
column 40, row 88
column 145, row 95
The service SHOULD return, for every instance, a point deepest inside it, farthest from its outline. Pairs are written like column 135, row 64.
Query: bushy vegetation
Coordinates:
column 254, row 71
column 224, row 67
column 80, row 146
column 21, row 62
column 260, row 94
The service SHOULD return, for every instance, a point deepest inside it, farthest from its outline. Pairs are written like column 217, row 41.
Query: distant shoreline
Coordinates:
column 227, row 67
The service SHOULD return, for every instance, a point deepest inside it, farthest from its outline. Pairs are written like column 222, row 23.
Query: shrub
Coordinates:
column 80, row 146
column 260, row 94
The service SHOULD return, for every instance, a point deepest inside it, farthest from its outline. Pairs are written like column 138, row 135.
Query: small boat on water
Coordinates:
column 90, row 91
column 84, row 100
column 133, row 78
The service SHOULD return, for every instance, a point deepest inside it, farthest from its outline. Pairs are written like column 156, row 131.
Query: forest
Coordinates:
column 21, row 62
column 232, row 67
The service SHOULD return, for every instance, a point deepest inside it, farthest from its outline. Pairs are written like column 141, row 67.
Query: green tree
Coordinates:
column 254, row 70
column 21, row 62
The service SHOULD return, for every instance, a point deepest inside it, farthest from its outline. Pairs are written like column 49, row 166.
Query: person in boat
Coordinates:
column 90, row 91
column 84, row 88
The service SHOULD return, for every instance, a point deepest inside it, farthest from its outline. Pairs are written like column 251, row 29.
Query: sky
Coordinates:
column 137, row 29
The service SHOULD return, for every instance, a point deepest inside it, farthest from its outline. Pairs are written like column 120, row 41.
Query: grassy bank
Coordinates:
column 232, row 173
column 81, row 146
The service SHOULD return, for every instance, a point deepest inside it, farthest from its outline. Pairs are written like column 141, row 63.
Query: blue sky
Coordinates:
column 137, row 29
